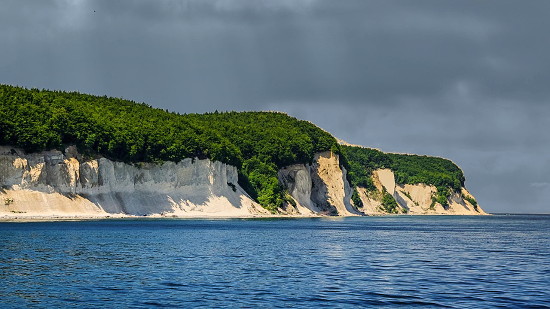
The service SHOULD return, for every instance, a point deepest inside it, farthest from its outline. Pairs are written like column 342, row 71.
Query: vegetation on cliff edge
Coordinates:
column 258, row 143
column 408, row 169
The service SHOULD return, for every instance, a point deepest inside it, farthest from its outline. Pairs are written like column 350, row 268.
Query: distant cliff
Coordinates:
column 389, row 183
column 417, row 199
column 323, row 188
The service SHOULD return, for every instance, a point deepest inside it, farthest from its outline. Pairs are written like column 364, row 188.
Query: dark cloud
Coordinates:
column 465, row 79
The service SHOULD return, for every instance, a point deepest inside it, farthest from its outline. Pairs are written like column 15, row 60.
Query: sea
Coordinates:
column 498, row 261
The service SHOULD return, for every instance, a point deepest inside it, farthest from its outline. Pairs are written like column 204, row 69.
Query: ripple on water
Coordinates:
column 441, row 262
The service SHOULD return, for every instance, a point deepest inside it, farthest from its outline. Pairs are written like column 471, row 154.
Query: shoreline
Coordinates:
column 54, row 218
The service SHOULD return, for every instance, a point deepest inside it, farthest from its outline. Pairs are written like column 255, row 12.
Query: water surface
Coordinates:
column 407, row 261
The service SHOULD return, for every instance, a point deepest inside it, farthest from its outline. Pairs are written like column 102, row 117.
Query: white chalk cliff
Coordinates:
column 413, row 199
column 319, row 188
column 64, row 184
column 56, row 184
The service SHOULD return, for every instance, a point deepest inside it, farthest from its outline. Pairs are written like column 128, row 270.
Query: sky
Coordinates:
column 466, row 80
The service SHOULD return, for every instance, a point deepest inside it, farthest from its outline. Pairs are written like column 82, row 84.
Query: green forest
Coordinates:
column 258, row 143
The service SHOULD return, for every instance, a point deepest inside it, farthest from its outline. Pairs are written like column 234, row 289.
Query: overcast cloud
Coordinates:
column 466, row 80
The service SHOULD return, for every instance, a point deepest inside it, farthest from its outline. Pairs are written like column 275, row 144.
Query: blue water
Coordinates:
column 454, row 262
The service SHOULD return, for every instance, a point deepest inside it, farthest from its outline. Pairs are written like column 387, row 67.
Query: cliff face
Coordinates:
column 61, row 184
column 320, row 187
column 53, row 183
column 414, row 199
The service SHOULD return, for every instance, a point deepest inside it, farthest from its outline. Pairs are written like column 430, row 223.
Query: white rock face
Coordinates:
column 386, row 179
column 50, row 183
column 415, row 199
column 65, row 185
column 297, row 180
column 320, row 188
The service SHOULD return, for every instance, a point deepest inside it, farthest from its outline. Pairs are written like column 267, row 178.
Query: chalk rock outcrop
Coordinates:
column 414, row 199
column 58, row 184
column 320, row 187
column 65, row 184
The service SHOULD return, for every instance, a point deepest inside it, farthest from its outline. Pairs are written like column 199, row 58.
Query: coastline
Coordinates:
column 52, row 218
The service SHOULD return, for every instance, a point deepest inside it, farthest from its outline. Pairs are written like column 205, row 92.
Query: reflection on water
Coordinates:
column 460, row 262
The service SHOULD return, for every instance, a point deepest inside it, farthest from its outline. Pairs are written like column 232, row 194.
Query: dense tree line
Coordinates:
column 408, row 169
column 258, row 143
